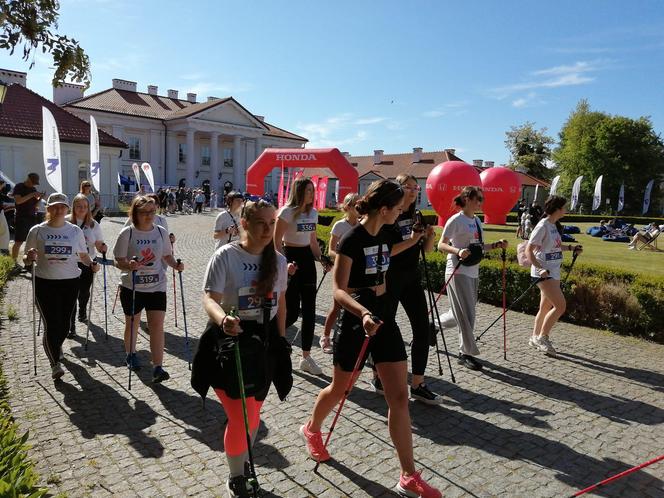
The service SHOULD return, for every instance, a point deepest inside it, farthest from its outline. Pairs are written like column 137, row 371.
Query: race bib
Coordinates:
column 553, row 256
column 250, row 305
column 306, row 227
column 406, row 228
column 147, row 279
column 57, row 250
column 372, row 263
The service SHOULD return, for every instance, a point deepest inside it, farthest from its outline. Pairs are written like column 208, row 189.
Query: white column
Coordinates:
column 214, row 161
column 258, row 147
column 171, row 159
column 190, row 158
column 156, row 159
column 238, row 168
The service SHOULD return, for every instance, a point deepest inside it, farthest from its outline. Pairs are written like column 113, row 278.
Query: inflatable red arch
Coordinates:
column 302, row 158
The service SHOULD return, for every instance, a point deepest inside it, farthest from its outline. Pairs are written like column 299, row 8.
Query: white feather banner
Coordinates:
column 95, row 164
column 646, row 197
column 554, row 185
column 621, row 198
column 137, row 174
column 597, row 196
column 576, row 190
column 51, row 148
column 147, row 170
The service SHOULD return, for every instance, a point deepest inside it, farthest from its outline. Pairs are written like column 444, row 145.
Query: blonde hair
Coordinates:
column 350, row 200
column 87, row 221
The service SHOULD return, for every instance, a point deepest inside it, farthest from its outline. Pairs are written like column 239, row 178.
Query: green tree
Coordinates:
column 622, row 149
column 29, row 24
column 530, row 149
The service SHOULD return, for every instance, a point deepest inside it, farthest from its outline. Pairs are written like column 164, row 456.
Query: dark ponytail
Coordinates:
column 268, row 272
column 469, row 192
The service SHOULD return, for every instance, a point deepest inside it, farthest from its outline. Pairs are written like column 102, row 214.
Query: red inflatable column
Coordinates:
column 445, row 182
column 502, row 189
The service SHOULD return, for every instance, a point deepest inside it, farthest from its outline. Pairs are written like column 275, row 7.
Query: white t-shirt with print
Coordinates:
column 298, row 232
column 92, row 235
column 226, row 220
column 149, row 247
column 548, row 248
column 234, row 272
column 58, row 250
column 340, row 228
column 462, row 231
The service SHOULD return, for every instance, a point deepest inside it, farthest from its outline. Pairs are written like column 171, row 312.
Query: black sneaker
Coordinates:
column 159, row 375
column 132, row 362
column 237, row 487
column 469, row 362
column 425, row 395
column 377, row 385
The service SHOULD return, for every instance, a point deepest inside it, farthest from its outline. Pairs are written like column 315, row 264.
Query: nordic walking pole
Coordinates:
column 117, row 293
column 509, row 307
column 351, row 381
column 440, row 294
column 184, row 317
column 617, row 476
column 34, row 320
column 321, row 281
column 243, row 397
column 574, row 256
column 503, row 256
column 92, row 292
column 39, row 325
column 103, row 255
column 175, row 295
column 131, row 322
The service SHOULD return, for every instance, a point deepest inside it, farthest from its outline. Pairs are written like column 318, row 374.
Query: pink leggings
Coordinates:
column 235, row 437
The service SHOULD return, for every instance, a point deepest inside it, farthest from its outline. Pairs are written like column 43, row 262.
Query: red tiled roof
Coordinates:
column 21, row 117
column 162, row 108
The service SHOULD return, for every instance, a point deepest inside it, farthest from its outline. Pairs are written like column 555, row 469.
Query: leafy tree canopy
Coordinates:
column 622, row 149
column 530, row 149
column 29, row 24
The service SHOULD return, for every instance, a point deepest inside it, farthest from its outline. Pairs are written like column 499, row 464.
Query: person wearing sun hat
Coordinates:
column 56, row 246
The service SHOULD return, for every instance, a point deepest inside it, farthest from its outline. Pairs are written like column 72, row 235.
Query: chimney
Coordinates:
column 417, row 154
column 212, row 99
column 153, row 89
column 259, row 118
column 173, row 94
column 346, row 155
column 478, row 163
column 67, row 92
column 489, row 164
column 378, row 156
column 9, row 77
column 451, row 151
column 129, row 86
column 191, row 97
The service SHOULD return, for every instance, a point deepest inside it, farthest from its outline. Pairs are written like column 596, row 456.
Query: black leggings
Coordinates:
column 55, row 300
column 405, row 287
column 302, row 288
column 84, row 284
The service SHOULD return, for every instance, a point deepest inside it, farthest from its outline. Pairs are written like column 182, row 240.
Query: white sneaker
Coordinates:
column 57, row 371
column 308, row 364
column 544, row 344
column 533, row 341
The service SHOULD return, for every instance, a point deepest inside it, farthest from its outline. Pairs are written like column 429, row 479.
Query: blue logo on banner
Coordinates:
column 94, row 168
column 52, row 164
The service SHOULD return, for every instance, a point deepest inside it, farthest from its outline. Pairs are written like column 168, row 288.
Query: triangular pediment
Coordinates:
column 229, row 112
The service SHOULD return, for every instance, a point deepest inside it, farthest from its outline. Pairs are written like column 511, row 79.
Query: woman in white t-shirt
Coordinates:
column 295, row 238
column 244, row 285
column 94, row 240
column 149, row 244
column 226, row 226
column 339, row 229
column 545, row 252
column 462, row 239
column 57, row 247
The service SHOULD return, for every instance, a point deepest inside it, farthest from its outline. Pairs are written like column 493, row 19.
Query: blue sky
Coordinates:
column 363, row 75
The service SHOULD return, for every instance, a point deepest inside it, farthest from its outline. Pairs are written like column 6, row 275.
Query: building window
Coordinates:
column 205, row 155
column 228, row 158
column 182, row 153
column 134, row 147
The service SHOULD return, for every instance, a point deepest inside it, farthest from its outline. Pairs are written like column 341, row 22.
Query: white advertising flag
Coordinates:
column 646, row 197
column 554, row 185
column 597, row 196
column 51, row 147
column 147, row 169
column 576, row 189
column 95, row 163
column 536, row 192
column 119, row 180
column 621, row 198
column 137, row 174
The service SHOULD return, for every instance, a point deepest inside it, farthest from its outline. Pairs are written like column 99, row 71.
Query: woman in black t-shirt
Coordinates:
column 363, row 257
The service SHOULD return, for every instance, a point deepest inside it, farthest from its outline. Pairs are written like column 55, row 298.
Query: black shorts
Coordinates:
column 386, row 346
column 148, row 301
column 22, row 226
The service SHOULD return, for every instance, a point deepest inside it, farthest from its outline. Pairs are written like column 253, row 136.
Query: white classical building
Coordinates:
column 215, row 140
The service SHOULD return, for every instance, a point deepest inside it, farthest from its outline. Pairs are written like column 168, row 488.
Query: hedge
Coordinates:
column 17, row 474
column 623, row 302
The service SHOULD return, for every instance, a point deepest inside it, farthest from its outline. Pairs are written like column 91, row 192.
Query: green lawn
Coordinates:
column 596, row 251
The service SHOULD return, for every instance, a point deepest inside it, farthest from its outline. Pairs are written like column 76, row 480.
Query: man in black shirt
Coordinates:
column 26, row 197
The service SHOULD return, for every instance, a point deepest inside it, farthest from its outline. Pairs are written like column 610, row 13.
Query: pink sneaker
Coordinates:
column 413, row 486
column 315, row 445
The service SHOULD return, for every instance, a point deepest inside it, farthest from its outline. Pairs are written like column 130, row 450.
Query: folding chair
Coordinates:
column 650, row 244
